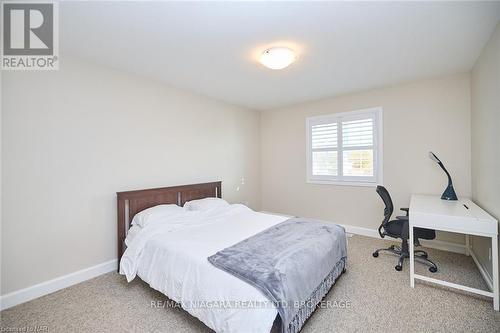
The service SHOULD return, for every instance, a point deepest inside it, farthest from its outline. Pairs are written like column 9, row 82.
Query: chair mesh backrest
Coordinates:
column 389, row 207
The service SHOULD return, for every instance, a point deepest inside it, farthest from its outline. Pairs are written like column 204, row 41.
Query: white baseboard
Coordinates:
column 351, row 229
column 279, row 214
column 486, row 276
column 434, row 244
column 44, row 288
column 442, row 245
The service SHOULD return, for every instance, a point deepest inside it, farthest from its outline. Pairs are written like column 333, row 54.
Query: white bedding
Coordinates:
column 172, row 258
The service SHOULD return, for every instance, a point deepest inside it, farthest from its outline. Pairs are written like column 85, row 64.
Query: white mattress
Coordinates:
column 172, row 258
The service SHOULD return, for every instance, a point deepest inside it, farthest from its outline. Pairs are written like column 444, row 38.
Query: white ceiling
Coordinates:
column 211, row 48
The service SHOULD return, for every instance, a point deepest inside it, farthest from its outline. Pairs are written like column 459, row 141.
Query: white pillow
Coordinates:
column 205, row 204
column 160, row 212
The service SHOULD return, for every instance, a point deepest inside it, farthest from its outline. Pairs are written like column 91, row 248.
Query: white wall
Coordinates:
column 486, row 138
column 72, row 138
column 417, row 117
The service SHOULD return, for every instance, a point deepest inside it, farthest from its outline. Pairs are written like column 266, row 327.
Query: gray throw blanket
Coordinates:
column 294, row 264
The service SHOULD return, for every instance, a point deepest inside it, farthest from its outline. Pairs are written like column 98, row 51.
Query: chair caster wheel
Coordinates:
column 375, row 254
column 398, row 268
column 433, row 269
column 424, row 256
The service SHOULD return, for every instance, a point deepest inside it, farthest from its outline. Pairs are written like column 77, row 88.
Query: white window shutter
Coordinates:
column 345, row 147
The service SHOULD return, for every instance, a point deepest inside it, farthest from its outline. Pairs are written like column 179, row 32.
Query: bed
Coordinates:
column 173, row 259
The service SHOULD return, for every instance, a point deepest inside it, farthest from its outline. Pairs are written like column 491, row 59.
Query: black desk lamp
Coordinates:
column 449, row 193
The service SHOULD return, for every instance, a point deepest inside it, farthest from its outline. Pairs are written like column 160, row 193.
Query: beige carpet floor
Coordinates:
column 379, row 299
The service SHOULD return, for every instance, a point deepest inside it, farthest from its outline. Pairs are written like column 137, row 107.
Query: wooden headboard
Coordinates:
column 132, row 202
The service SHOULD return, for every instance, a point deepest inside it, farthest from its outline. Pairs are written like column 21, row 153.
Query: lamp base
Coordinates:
column 449, row 193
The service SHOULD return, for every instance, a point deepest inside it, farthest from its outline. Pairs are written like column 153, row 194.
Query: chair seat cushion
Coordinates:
column 394, row 229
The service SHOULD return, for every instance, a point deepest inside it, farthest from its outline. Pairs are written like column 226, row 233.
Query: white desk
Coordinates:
column 429, row 211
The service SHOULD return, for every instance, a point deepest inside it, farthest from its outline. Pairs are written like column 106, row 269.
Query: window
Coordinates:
column 345, row 148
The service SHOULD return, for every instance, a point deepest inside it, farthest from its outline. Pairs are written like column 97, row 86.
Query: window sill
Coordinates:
column 347, row 183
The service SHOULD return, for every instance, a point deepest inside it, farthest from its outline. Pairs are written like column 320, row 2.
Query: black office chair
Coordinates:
column 399, row 228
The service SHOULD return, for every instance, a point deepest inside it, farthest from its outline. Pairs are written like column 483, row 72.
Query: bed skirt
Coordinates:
column 316, row 297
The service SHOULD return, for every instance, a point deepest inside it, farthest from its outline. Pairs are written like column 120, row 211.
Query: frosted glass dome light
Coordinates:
column 277, row 57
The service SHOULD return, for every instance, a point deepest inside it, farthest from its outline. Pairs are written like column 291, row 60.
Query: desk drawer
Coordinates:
column 464, row 225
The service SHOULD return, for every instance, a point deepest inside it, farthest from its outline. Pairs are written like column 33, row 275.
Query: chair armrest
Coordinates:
column 382, row 234
column 405, row 210
column 405, row 232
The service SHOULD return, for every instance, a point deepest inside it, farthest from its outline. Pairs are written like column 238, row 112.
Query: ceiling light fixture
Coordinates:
column 277, row 57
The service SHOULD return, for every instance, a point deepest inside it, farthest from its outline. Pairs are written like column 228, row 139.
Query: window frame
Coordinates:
column 376, row 113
